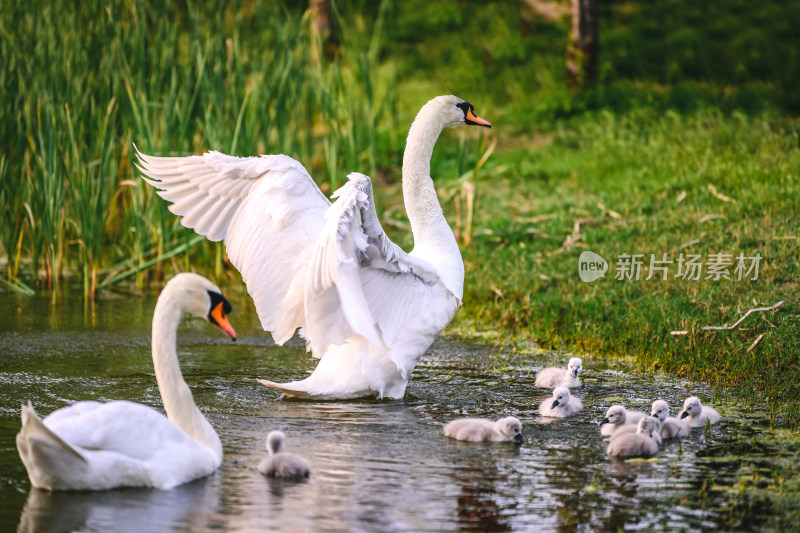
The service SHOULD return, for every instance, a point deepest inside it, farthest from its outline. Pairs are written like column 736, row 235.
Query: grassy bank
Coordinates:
column 648, row 183
column 689, row 144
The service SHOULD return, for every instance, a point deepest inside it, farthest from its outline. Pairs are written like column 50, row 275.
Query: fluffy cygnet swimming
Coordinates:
column 561, row 405
column 639, row 444
column 697, row 414
column 628, row 429
column 616, row 417
column 282, row 464
column 671, row 427
column 483, row 430
column 552, row 377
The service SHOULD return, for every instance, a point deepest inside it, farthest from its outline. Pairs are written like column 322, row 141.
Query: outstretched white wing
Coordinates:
column 361, row 283
column 329, row 269
column 267, row 209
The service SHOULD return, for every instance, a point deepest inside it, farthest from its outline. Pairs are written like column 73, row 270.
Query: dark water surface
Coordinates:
column 376, row 465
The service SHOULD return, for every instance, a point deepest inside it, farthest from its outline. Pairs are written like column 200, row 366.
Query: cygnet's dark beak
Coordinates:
column 555, row 403
column 518, row 438
column 684, row 414
column 575, row 373
column 604, row 421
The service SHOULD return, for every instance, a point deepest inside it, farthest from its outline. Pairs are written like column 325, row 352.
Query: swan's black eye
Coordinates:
column 216, row 298
column 465, row 107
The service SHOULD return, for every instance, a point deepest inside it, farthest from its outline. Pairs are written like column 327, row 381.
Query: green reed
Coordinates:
column 80, row 85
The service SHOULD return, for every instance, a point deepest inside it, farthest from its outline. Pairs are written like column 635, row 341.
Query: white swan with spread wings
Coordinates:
column 367, row 309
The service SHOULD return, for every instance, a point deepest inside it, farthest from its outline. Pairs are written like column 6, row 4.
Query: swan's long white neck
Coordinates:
column 178, row 401
column 433, row 239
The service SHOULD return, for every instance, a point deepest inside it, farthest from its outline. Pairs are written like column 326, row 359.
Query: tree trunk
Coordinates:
column 322, row 29
column 582, row 49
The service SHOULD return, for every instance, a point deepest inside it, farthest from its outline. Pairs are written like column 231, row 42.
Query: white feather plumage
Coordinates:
column 367, row 309
column 96, row 446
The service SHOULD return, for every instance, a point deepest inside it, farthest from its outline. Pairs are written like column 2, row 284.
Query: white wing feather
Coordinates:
column 267, row 209
column 133, row 430
column 329, row 269
column 361, row 283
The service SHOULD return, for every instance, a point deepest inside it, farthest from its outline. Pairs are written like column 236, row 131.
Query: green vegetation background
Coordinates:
column 689, row 143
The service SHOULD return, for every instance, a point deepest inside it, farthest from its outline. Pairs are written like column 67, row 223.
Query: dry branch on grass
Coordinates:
column 706, row 218
column 607, row 211
column 731, row 326
column 686, row 245
column 754, row 343
column 534, row 220
column 719, row 195
column 575, row 237
column 754, row 310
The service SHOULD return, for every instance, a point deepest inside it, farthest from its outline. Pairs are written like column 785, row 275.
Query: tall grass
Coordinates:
column 81, row 84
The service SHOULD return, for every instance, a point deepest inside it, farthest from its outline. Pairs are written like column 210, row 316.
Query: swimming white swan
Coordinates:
column 97, row 446
column 552, row 377
column 698, row 415
column 638, row 444
column 280, row 463
column 670, row 426
column 483, row 430
column 367, row 309
column 616, row 417
column 561, row 405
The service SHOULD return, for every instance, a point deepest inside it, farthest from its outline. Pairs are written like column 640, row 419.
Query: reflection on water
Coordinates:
column 376, row 465
column 126, row 510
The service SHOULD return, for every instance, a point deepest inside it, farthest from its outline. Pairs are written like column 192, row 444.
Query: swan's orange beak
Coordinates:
column 218, row 318
column 475, row 120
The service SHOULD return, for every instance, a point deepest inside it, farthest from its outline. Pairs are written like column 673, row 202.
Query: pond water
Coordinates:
column 376, row 465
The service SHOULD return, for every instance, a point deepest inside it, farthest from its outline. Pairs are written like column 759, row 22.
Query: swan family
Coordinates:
column 366, row 309
column 631, row 433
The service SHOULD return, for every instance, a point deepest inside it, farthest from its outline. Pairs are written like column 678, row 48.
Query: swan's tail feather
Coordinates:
column 308, row 390
column 43, row 452
column 289, row 389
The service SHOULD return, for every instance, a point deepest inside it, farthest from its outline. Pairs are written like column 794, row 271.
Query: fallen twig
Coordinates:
column 537, row 233
column 754, row 343
column 706, row 218
column 720, row 195
column 609, row 212
column 688, row 244
column 534, row 220
column 726, row 326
